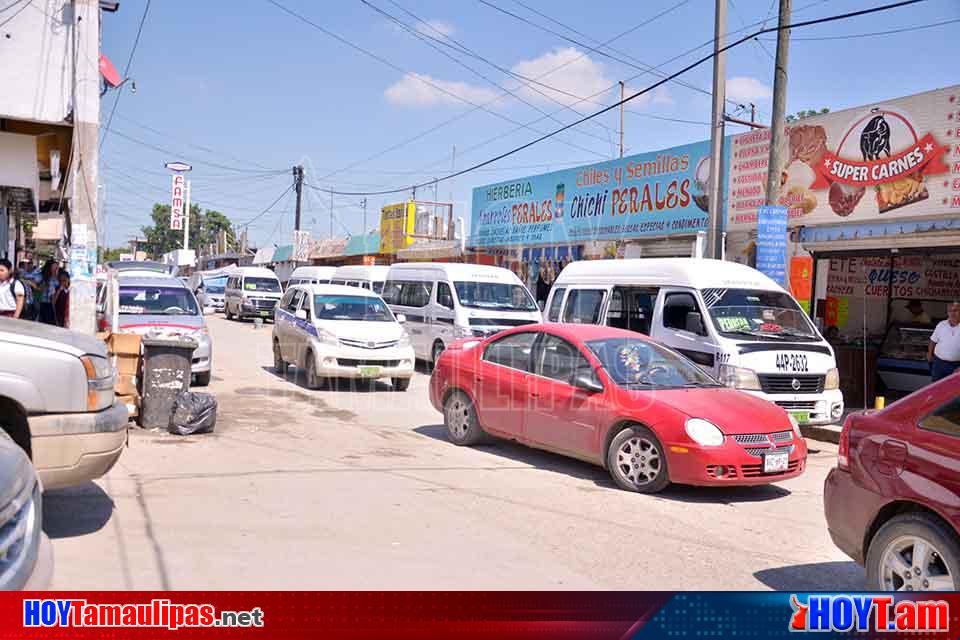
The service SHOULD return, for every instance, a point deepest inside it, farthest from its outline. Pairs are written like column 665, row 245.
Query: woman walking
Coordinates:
column 61, row 300
column 46, row 289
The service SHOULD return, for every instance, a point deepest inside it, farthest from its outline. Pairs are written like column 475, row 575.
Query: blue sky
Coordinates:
column 252, row 89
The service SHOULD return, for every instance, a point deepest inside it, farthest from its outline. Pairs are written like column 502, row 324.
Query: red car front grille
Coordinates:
column 756, row 470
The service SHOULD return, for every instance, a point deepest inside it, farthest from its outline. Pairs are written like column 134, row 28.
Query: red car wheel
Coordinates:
column 636, row 461
column 460, row 418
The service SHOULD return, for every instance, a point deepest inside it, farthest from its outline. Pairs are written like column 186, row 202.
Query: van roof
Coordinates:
column 697, row 273
column 453, row 271
column 313, row 272
column 263, row 272
column 361, row 271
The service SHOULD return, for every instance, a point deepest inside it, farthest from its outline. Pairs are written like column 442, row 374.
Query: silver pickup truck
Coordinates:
column 57, row 401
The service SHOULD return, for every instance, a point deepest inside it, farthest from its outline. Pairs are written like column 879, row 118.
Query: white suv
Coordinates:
column 334, row 331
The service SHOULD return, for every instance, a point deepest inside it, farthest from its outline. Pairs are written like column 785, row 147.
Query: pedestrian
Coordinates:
column 23, row 275
column 61, row 299
column 917, row 314
column 45, row 290
column 944, row 350
column 12, row 291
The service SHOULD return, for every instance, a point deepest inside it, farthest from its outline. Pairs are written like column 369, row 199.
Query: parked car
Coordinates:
column 251, row 291
column 57, row 401
column 892, row 500
column 142, row 268
column 617, row 399
column 27, row 558
column 332, row 331
column 367, row 277
column 210, row 286
column 445, row 302
column 164, row 306
column 311, row 275
column 736, row 323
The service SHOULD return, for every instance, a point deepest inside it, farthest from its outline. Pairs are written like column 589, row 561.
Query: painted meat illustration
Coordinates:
column 875, row 139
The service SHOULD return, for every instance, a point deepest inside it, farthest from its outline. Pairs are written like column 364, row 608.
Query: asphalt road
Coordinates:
column 350, row 489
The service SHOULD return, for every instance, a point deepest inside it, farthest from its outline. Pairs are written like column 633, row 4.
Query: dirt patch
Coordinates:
column 245, row 405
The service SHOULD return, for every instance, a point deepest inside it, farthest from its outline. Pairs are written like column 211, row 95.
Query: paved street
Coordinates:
column 361, row 490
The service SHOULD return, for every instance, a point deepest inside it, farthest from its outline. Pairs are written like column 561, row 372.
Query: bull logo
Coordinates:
column 875, row 139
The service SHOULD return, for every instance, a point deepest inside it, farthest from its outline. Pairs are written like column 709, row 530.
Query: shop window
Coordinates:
column 583, row 306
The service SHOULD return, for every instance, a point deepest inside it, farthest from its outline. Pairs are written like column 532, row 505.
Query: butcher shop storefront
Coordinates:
column 873, row 197
column 652, row 204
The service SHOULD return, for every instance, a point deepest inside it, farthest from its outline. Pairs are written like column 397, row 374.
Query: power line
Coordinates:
column 877, row 33
column 18, row 11
column 262, row 213
column 696, row 63
column 177, row 153
column 126, row 72
column 418, row 77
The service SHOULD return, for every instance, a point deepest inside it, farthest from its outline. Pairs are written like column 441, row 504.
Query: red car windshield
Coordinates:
column 637, row 363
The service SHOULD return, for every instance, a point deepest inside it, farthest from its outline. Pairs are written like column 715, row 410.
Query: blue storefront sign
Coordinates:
column 652, row 194
column 772, row 242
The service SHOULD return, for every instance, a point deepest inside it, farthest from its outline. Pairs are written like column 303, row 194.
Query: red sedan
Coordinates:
column 617, row 399
column 893, row 501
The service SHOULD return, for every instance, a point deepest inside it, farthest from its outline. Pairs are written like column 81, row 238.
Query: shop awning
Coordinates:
column 283, row 254
column 365, row 245
column 329, row 248
column 431, row 250
column 264, row 255
column 18, row 164
column 881, row 235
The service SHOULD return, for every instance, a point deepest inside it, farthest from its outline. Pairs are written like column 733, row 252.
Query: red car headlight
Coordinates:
column 703, row 432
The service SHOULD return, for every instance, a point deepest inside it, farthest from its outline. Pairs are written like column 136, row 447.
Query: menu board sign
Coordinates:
column 890, row 160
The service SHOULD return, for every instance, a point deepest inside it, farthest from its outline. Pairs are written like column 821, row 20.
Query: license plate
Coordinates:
column 265, row 313
column 368, row 372
column 774, row 462
column 802, row 417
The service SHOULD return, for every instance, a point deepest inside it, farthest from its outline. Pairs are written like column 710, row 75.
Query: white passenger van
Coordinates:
column 732, row 320
column 251, row 291
column 365, row 277
column 445, row 302
column 311, row 275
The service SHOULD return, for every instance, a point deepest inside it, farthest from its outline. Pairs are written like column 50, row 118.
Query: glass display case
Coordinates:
column 902, row 364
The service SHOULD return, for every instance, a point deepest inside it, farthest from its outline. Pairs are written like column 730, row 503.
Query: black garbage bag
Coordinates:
column 193, row 413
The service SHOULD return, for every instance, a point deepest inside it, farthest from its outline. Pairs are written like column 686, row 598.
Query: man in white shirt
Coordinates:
column 11, row 291
column 944, row 350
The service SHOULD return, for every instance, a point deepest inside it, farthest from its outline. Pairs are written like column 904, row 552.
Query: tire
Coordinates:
column 400, row 384
column 897, row 539
column 636, row 461
column 279, row 365
column 310, row 376
column 202, row 379
column 460, row 419
column 435, row 353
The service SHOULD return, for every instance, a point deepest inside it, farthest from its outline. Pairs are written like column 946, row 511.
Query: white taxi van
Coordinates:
column 732, row 320
column 332, row 331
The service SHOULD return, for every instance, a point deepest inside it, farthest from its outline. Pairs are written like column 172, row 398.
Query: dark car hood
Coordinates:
column 733, row 411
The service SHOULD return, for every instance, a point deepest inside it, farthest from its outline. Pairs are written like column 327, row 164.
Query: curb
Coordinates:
column 822, row 433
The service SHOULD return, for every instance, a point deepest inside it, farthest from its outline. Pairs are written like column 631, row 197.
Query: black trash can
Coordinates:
column 166, row 374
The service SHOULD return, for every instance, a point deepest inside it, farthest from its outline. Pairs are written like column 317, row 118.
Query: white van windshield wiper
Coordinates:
column 756, row 334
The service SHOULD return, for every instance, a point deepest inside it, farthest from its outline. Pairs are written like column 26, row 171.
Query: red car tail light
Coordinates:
column 843, row 449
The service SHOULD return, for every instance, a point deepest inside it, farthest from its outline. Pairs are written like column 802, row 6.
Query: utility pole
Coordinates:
column 778, row 119
column 331, row 213
column 714, row 248
column 621, row 118
column 753, row 112
column 186, row 220
column 298, row 184
column 363, row 203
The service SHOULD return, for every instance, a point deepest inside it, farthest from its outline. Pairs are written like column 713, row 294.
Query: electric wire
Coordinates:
column 126, row 72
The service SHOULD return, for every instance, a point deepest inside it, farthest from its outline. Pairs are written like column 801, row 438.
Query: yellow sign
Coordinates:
column 396, row 226
column 843, row 312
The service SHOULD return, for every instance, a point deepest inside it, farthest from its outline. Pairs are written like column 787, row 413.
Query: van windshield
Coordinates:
column 215, row 285
column 365, row 308
column 156, row 301
column 269, row 285
column 764, row 315
column 494, row 295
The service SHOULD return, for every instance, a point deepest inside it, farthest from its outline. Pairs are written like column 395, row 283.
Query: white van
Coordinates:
column 210, row 286
column 365, row 277
column 311, row 275
column 251, row 291
column 732, row 320
column 445, row 302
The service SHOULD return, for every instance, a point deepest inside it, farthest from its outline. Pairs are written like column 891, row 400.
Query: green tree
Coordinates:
column 109, row 255
column 806, row 113
column 204, row 228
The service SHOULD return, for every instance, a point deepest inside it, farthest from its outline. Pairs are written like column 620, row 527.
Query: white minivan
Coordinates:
column 311, row 275
column 365, row 277
column 732, row 320
column 444, row 302
column 251, row 292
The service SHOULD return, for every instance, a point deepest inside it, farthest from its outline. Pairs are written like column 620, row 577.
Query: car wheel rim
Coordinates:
column 458, row 418
column 910, row 563
column 638, row 461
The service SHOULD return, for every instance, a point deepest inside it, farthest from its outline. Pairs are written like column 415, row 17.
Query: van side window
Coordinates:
column 378, row 287
column 444, row 296
column 391, row 292
column 416, row 294
column 583, row 306
column 553, row 315
column 631, row 308
column 675, row 310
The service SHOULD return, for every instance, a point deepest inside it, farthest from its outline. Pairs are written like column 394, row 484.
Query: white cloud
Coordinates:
column 747, row 89
column 579, row 75
column 413, row 90
column 433, row 28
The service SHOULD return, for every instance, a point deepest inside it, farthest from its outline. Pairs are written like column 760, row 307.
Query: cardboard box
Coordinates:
column 133, row 404
column 125, row 349
column 125, row 385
